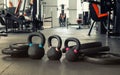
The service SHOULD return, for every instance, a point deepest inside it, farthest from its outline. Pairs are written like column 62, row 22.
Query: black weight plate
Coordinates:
column 104, row 58
column 15, row 52
column 20, row 46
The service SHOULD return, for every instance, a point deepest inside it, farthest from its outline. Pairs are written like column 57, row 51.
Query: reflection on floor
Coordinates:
column 27, row 66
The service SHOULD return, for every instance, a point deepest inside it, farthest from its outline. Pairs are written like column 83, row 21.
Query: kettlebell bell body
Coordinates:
column 54, row 53
column 72, row 54
column 36, row 51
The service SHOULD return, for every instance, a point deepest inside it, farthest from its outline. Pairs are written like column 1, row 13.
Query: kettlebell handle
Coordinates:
column 42, row 43
column 58, row 39
column 72, row 39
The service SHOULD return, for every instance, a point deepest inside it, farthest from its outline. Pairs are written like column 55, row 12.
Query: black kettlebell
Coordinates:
column 36, row 51
column 72, row 54
column 54, row 53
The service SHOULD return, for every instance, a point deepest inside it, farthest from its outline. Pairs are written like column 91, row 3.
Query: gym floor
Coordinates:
column 27, row 66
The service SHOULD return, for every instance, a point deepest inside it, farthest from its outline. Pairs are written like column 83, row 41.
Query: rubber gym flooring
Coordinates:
column 27, row 66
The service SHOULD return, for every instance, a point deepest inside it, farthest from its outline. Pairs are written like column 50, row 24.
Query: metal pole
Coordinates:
column 24, row 7
column 103, row 10
column 6, row 4
column 51, row 19
column 39, row 15
column 34, row 12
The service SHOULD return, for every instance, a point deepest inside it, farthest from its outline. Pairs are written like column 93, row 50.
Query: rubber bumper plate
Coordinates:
column 20, row 46
column 104, row 58
column 15, row 52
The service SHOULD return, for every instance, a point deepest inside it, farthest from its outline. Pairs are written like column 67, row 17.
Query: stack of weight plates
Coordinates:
column 17, row 50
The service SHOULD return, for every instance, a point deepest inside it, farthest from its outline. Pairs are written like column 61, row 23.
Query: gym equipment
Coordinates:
column 36, row 51
column 90, row 48
column 94, row 51
column 20, row 46
column 85, row 7
column 37, row 23
column 86, row 46
column 54, row 53
column 117, row 15
column 3, row 34
column 110, row 6
column 72, row 54
column 15, row 52
column 62, row 17
column 80, row 21
column 2, row 21
column 16, row 22
column 109, row 24
column 49, row 19
column 97, row 16
column 104, row 58
column 22, row 25
column 18, row 7
column 85, row 18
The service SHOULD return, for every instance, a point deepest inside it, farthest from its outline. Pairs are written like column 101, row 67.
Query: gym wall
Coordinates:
column 51, row 6
column 72, row 11
column 1, row 2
